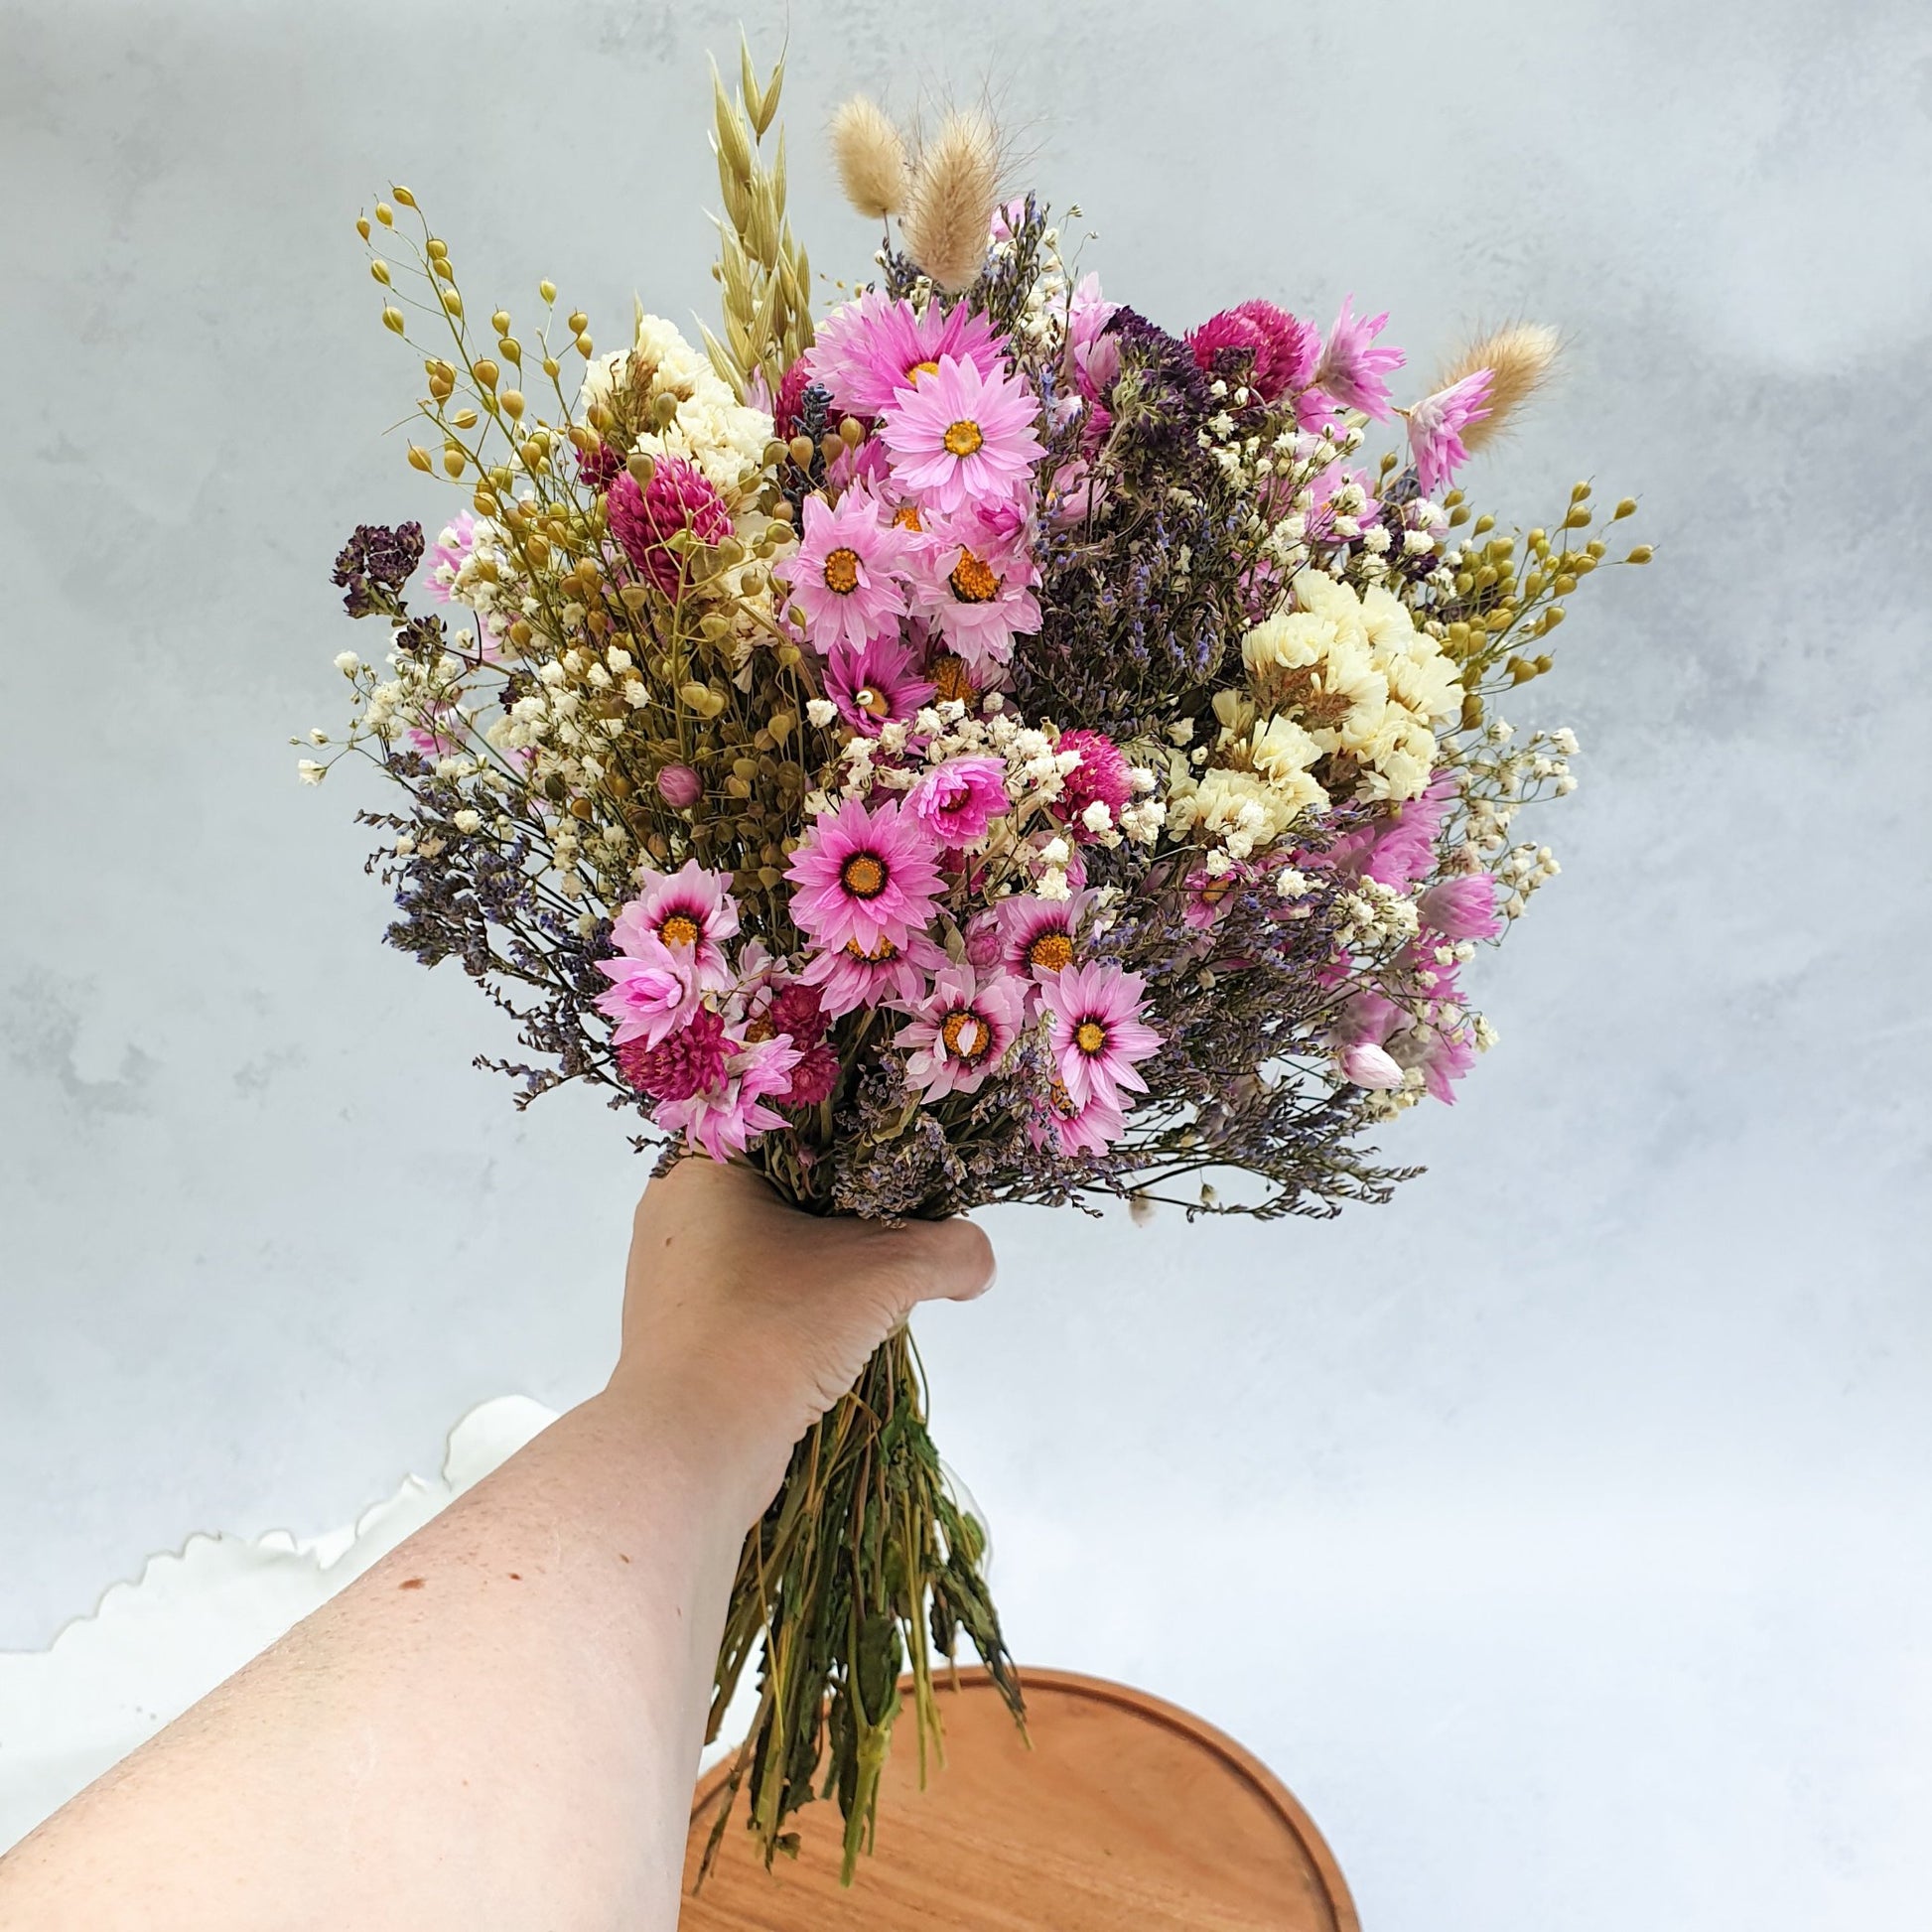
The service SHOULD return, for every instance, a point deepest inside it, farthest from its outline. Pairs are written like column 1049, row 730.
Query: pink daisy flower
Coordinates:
column 962, row 436
column 1088, row 1127
column 961, row 1030
column 871, row 350
column 842, row 575
column 1039, row 936
column 974, row 587
column 877, row 684
column 1096, row 1032
column 864, row 874
column 644, row 520
column 685, row 914
column 724, row 1119
column 1444, row 1054
column 850, row 978
column 1437, row 423
column 958, row 801
column 1209, row 893
column 647, row 998
column 1351, row 367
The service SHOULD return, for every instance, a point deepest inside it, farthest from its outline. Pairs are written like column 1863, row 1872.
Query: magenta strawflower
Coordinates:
column 972, row 584
column 1462, row 908
column 864, row 874
column 1096, row 1032
column 1437, row 423
column 843, row 575
column 679, row 786
column 1100, row 777
column 962, row 436
column 648, row 998
column 680, row 497
column 877, row 684
column 852, row 977
column 867, row 352
column 690, row 1059
column 687, row 914
column 961, row 1029
column 724, row 1117
column 1283, row 349
column 957, row 801
column 1351, row 367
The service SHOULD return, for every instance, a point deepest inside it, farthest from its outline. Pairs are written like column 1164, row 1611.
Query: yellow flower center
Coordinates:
column 950, row 680
column 1090, row 1036
column 842, row 571
column 1051, row 950
column 921, row 368
column 973, row 580
column 906, row 518
column 882, row 952
column 679, row 929
column 962, row 439
column 966, row 1034
column 873, row 701
column 863, row 875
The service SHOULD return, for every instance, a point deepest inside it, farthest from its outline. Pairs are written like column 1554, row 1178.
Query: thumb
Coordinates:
column 948, row 1260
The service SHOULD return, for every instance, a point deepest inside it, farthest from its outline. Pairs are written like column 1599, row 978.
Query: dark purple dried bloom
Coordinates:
column 374, row 563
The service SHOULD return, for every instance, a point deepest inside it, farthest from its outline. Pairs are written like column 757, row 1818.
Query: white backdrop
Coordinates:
column 1558, row 1532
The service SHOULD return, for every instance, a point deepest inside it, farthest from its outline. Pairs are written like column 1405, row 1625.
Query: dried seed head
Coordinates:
column 871, row 156
column 949, row 208
column 1519, row 358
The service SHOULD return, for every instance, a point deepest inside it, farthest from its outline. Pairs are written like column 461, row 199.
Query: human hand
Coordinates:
column 746, row 1319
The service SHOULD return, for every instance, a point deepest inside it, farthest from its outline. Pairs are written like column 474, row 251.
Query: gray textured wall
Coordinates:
column 1559, row 1532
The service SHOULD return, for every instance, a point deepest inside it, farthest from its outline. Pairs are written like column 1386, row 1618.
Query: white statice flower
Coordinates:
column 309, row 772
column 1098, row 816
column 348, row 663
column 1223, row 805
column 467, row 820
column 821, row 711
column 1290, row 883
column 1281, row 752
column 1565, row 741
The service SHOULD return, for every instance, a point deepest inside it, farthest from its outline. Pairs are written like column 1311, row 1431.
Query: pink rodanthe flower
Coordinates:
column 1100, row 777
column 1462, row 908
column 679, row 786
column 961, row 1030
column 1437, row 423
column 725, row 1117
column 1091, row 348
column 1039, row 936
column 958, row 801
column 1209, row 893
column 648, row 998
column 687, row 1061
column 643, row 522
column 1351, row 367
column 1444, row 1054
column 877, row 684
column 862, row 876
column 961, row 436
column 842, row 576
column 850, row 978
column 870, row 349
column 1096, row 1034
column 449, row 553
column 685, row 914
column 1283, row 349
column 974, row 586
column 1366, row 1064
column 1089, row 1127
column 1365, row 1023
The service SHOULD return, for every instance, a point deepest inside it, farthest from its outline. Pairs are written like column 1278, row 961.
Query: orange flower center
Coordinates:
column 973, row 580
column 882, row 952
column 966, row 1034
column 679, row 929
column 907, row 516
column 1052, row 950
column 863, row 875
column 962, row 439
column 842, row 570
column 873, row 701
column 950, row 680
column 1090, row 1036
column 921, row 368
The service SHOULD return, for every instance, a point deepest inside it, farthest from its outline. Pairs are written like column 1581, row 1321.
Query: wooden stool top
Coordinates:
column 1127, row 1815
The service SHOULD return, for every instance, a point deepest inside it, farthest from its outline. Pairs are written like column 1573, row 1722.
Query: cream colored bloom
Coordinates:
column 1281, row 751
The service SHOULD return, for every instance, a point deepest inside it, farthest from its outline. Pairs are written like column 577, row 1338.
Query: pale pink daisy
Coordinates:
column 972, row 584
column 864, row 874
column 962, row 436
column 843, row 575
column 1096, row 1032
column 868, row 350
column 958, row 801
column 851, row 978
column 961, row 1029
column 1351, row 367
column 648, row 998
column 1091, row 1126
column 686, row 914
column 722, row 1120
column 1437, row 423
column 1040, row 936
column 877, row 684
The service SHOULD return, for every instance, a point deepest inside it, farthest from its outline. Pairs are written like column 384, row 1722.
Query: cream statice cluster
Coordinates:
column 972, row 744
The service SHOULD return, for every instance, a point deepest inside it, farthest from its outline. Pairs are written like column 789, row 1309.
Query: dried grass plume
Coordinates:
column 955, row 187
column 871, row 156
column 1520, row 356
